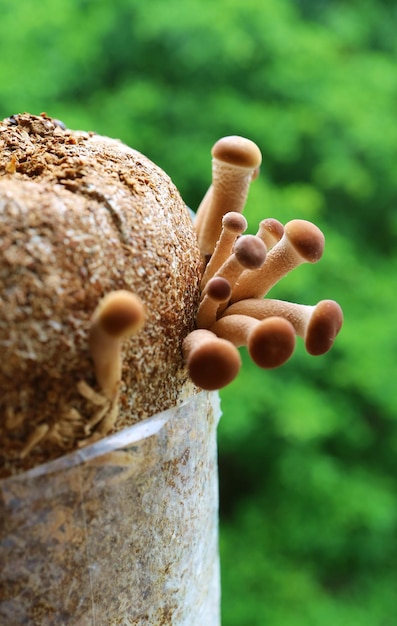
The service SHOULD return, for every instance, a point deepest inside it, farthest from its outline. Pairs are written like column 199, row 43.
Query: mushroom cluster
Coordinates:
column 240, row 271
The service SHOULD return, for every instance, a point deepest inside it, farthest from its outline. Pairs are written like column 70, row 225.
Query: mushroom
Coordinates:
column 212, row 362
column 119, row 315
column 270, row 342
column 302, row 242
column 235, row 162
column 270, row 231
column 249, row 253
column 318, row 325
column 217, row 291
column 233, row 225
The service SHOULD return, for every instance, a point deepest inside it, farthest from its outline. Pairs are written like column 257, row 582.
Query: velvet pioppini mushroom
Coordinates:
column 302, row 242
column 270, row 231
column 119, row 315
column 217, row 292
column 249, row 253
column 212, row 362
column 233, row 225
column 235, row 162
column 270, row 342
column 318, row 325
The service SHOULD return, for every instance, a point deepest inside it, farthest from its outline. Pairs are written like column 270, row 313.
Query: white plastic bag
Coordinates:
column 124, row 531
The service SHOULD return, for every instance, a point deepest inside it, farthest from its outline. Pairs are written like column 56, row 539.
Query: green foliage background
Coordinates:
column 308, row 453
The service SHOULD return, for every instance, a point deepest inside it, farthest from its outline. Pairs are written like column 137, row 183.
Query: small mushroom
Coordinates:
column 233, row 225
column 217, row 291
column 302, row 242
column 212, row 362
column 119, row 315
column 318, row 325
column 270, row 231
column 235, row 161
column 270, row 342
column 249, row 253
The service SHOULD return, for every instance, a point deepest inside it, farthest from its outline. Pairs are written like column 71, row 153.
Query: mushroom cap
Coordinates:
column 306, row 238
column 234, row 222
column 237, row 151
column 325, row 323
column 250, row 251
column 272, row 342
column 212, row 362
column 120, row 314
column 218, row 289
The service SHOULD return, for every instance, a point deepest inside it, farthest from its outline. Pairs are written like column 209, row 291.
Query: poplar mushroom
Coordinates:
column 233, row 225
column 270, row 342
column 249, row 253
column 318, row 325
column 302, row 242
column 235, row 163
column 270, row 231
column 213, row 362
column 119, row 315
column 218, row 291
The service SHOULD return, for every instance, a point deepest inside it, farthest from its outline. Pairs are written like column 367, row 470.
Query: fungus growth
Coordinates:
column 88, row 225
column 241, row 270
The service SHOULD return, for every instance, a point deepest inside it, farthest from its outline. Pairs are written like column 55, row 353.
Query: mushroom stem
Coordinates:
column 119, row 315
column 318, row 325
column 217, row 291
column 235, row 161
column 233, row 225
column 202, row 211
column 270, row 342
column 302, row 242
column 212, row 362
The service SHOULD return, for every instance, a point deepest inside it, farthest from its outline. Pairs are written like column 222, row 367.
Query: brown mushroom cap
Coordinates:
column 325, row 323
column 250, row 251
column 234, row 223
column 272, row 342
column 234, row 164
column 306, row 238
column 119, row 315
column 212, row 362
column 218, row 289
column 237, row 151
